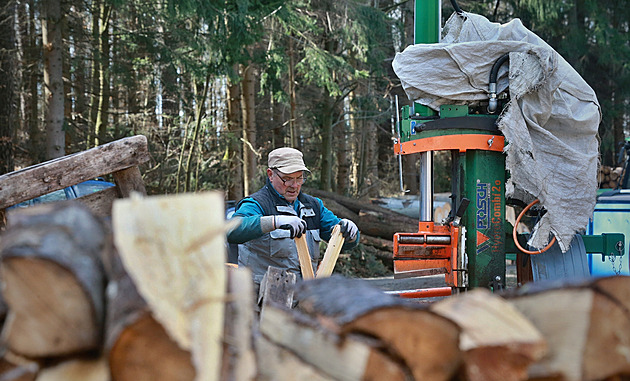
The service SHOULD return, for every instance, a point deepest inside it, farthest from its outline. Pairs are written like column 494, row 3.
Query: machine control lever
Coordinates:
column 463, row 205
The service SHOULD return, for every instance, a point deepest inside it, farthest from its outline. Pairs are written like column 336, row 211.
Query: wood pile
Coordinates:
column 609, row 177
column 151, row 299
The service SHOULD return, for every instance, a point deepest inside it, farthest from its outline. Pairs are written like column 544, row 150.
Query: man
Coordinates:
column 279, row 212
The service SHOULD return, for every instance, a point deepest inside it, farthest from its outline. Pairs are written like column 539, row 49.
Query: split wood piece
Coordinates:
column 53, row 280
column 77, row 370
column 65, row 171
column 427, row 342
column 239, row 358
column 352, row 357
column 497, row 341
column 279, row 364
column 586, row 325
column 327, row 265
column 277, row 287
column 305, row 258
column 173, row 248
column 17, row 368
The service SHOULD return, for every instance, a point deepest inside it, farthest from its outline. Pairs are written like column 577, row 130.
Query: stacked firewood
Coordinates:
column 609, row 177
column 151, row 299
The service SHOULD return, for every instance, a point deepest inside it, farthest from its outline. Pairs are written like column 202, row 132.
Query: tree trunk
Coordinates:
column 327, row 143
column 235, row 147
column 201, row 106
column 8, row 64
column 36, row 145
column 102, row 111
column 250, row 162
column 53, row 79
column 60, row 245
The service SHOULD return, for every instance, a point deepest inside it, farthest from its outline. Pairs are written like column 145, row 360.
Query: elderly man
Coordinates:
column 279, row 212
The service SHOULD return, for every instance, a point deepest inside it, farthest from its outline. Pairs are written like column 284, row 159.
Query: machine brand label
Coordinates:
column 483, row 205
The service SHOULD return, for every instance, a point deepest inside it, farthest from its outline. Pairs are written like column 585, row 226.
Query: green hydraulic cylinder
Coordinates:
column 426, row 28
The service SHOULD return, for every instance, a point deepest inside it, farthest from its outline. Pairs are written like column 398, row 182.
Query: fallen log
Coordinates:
column 586, row 325
column 425, row 341
column 52, row 280
column 497, row 341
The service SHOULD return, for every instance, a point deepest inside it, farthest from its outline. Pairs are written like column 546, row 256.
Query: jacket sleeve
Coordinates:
column 253, row 224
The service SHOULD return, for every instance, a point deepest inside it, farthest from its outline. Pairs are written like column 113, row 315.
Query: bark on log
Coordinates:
column 53, row 280
column 586, row 325
column 425, row 341
column 351, row 357
column 498, row 342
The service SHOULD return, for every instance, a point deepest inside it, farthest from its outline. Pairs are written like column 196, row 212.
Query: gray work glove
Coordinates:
column 295, row 225
column 349, row 229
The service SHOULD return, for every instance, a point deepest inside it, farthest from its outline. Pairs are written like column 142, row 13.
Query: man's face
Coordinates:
column 287, row 184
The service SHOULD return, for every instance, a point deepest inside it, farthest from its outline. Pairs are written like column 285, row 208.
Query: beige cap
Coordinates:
column 286, row 160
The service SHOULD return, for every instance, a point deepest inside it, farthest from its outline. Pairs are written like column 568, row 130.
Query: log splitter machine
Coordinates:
column 470, row 246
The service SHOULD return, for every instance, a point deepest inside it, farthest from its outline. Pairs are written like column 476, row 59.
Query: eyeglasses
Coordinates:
column 291, row 181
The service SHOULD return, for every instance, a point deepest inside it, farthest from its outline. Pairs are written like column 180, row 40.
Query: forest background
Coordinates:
column 215, row 85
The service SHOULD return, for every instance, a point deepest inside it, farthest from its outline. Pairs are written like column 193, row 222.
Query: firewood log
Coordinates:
column 137, row 346
column 350, row 357
column 425, row 341
column 497, row 341
column 53, row 280
column 279, row 364
column 173, row 248
column 239, row 358
column 586, row 325
column 17, row 368
column 81, row 369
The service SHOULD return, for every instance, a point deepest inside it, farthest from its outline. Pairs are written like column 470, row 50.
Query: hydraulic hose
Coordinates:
column 515, row 235
column 458, row 10
column 492, row 87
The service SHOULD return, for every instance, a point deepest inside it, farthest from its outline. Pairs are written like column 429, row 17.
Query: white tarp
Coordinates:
column 550, row 123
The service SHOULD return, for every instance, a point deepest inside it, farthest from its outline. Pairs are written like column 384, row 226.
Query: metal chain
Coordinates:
column 617, row 271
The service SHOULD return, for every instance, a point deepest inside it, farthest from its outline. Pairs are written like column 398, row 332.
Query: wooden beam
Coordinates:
column 65, row 171
column 305, row 258
column 327, row 265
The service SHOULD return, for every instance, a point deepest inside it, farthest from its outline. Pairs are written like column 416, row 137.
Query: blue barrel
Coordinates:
column 611, row 215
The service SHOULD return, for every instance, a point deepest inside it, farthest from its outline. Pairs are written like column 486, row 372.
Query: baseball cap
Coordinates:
column 286, row 160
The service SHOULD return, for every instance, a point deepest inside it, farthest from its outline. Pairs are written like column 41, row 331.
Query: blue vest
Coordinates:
column 276, row 248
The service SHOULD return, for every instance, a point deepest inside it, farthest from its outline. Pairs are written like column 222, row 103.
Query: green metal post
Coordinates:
column 427, row 20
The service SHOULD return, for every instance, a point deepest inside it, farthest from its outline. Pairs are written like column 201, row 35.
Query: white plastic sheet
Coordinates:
column 550, row 123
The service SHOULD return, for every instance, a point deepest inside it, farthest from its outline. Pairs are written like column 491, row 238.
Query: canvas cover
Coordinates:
column 550, row 123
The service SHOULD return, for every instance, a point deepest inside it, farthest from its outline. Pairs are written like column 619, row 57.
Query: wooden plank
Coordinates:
column 305, row 258
column 65, row 171
column 327, row 265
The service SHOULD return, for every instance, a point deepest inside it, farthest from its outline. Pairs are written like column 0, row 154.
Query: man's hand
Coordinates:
column 295, row 225
column 349, row 229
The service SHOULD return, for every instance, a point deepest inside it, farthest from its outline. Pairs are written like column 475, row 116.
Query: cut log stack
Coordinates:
column 160, row 304
column 609, row 177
